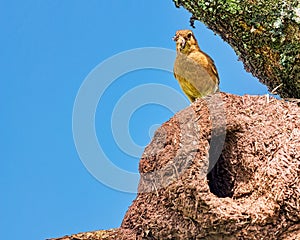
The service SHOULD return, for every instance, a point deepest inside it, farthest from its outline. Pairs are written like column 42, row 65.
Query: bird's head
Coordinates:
column 185, row 41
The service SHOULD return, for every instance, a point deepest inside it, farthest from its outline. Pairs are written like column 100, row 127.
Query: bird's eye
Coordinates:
column 189, row 35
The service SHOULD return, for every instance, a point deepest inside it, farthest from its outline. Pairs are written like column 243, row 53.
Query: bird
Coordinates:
column 194, row 70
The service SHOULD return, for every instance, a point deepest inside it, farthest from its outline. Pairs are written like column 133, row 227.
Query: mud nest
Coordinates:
column 227, row 167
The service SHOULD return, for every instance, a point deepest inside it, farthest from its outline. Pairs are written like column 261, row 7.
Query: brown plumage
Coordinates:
column 195, row 70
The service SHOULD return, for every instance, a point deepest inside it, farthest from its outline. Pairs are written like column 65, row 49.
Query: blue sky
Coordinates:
column 48, row 48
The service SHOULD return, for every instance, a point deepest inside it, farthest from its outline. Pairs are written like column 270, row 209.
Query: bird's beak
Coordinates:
column 181, row 41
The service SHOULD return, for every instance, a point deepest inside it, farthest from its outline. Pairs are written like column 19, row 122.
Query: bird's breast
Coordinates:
column 192, row 73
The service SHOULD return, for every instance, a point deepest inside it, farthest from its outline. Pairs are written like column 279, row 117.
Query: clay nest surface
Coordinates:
column 226, row 167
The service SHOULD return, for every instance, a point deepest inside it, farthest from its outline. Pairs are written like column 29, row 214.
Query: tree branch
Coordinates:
column 264, row 34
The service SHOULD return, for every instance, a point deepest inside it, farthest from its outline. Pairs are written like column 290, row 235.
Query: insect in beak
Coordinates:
column 182, row 42
column 179, row 40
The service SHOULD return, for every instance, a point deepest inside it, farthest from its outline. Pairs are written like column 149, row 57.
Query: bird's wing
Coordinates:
column 212, row 66
column 203, row 68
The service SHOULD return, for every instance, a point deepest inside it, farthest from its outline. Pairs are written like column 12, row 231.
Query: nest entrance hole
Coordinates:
column 221, row 178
